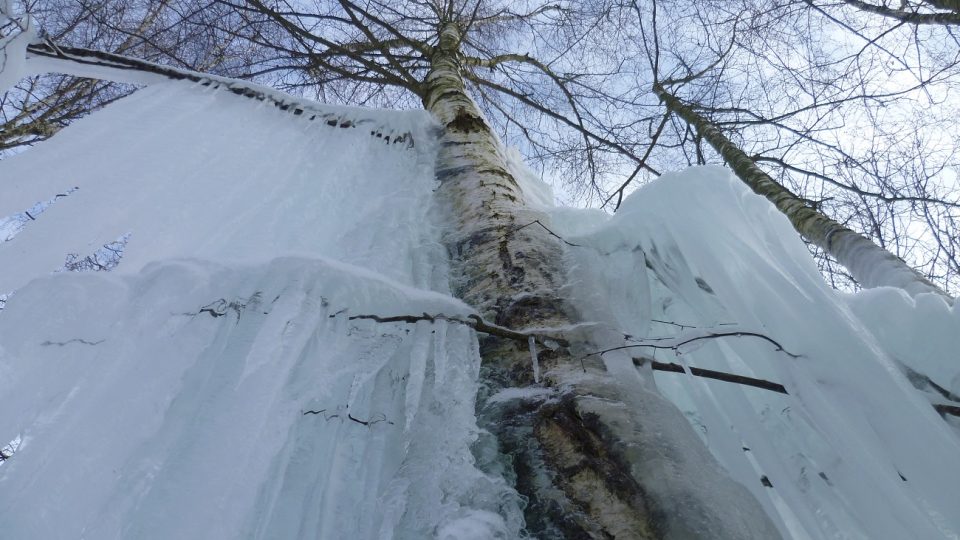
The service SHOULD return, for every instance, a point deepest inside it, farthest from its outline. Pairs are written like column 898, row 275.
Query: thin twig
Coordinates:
column 555, row 235
column 711, row 335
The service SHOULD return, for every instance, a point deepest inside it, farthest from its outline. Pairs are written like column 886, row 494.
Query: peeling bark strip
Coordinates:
column 118, row 65
column 868, row 263
column 583, row 464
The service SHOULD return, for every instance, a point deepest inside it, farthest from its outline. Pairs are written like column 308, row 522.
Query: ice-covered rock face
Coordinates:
column 212, row 384
column 195, row 172
column 853, row 450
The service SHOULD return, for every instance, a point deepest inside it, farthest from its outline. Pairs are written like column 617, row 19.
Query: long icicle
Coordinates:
column 532, row 342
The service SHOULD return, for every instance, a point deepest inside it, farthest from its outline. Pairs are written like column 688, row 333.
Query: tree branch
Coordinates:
column 473, row 321
column 911, row 17
column 711, row 374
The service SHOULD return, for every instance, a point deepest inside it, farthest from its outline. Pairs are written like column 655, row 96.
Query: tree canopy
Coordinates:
column 849, row 105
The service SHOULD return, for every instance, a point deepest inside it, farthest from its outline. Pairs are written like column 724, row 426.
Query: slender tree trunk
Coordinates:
column 590, row 462
column 868, row 263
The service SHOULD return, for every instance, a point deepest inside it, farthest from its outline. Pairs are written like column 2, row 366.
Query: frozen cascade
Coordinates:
column 212, row 385
column 854, row 451
column 535, row 364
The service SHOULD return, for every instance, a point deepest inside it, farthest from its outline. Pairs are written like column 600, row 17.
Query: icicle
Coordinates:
column 419, row 354
column 533, row 358
column 439, row 353
column 13, row 48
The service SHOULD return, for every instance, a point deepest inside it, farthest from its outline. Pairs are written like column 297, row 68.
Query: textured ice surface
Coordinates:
column 202, row 173
column 854, row 451
column 212, row 385
column 13, row 47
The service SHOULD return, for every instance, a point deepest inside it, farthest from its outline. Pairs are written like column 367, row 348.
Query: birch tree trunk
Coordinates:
column 594, row 463
column 868, row 263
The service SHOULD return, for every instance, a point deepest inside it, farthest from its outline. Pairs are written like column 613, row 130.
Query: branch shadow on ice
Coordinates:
column 11, row 226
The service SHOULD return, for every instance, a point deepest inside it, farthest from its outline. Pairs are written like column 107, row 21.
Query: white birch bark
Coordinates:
column 598, row 462
column 868, row 263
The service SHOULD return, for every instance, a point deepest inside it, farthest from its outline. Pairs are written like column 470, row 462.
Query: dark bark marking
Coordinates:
column 515, row 274
column 584, row 441
column 947, row 409
column 444, row 175
column 465, row 122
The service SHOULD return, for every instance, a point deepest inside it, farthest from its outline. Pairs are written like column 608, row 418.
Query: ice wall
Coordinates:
column 853, row 450
column 212, row 385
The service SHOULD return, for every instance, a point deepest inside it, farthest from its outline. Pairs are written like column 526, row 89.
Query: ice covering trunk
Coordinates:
column 589, row 460
column 868, row 263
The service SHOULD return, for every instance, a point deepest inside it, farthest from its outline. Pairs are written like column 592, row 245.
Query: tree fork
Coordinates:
column 868, row 263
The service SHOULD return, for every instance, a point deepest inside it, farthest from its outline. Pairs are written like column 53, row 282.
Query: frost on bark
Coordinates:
column 595, row 462
column 868, row 263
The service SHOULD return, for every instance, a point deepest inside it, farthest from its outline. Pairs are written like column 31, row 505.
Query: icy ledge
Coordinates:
column 853, row 450
column 243, row 401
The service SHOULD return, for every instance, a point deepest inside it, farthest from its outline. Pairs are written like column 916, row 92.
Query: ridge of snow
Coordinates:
column 854, row 451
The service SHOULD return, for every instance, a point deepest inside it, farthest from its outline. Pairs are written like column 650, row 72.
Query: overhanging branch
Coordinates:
column 473, row 321
column 910, row 17
column 125, row 69
column 711, row 374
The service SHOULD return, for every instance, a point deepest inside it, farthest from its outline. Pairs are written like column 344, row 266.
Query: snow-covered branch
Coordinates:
column 119, row 68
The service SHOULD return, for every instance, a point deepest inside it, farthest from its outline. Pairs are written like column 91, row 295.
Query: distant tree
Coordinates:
column 854, row 121
column 795, row 133
column 172, row 32
column 917, row 12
